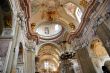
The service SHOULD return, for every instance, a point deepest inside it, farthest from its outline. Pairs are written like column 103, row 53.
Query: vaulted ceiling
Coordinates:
column 68, row 12
column 48, row 53
column 56, row 21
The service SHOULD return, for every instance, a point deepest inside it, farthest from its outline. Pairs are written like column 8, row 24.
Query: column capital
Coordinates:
column 30, row 44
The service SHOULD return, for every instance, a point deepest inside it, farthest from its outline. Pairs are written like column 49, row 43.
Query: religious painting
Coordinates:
column 46, row 30
column 70, row 9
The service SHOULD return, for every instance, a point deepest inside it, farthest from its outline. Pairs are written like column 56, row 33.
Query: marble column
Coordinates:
column 30, row 62
column 85, row 61
column 66, row 67
column 31, row 57
column 103, row 33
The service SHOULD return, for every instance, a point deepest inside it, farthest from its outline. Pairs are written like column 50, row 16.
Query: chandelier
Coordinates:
column 76, row 44
column 66, row 54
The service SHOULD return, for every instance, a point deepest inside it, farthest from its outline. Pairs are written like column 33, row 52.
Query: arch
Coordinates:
column 56, row 61
column 42, row 51
column 48, row 52
column 20, row 54
column 20, row 46
column 58, row 47
column 63, row 22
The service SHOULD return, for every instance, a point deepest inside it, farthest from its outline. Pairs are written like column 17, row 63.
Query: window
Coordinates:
column 49, row 30
column 56, row 27
column 46, row 30
column 78, row 14
column 46, row 65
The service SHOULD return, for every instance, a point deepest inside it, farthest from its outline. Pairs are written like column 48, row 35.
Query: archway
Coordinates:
column 20, row 53
column 48, row 58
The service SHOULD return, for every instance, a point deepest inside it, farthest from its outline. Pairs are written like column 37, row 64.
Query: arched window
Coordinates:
column 78, row 14
column 20, row 54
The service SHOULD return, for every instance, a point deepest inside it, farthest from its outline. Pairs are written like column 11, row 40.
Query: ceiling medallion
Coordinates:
column 33, row 26
column 49, row 15
column 72, row 26
column 84, row 3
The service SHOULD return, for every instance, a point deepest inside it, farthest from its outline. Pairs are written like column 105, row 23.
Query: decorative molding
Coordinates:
column 30, row 44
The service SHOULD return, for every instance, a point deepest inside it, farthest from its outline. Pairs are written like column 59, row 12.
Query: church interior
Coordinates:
column 54, row 36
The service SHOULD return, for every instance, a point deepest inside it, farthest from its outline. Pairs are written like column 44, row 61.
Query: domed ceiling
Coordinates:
column 55, row 21
column 49, row 30
column 68, row 12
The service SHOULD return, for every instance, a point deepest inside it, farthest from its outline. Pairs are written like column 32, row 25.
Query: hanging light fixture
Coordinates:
column 66, row 54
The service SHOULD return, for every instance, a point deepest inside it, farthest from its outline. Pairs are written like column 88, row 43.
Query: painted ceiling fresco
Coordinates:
column 70, row 9
column 68, row 12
